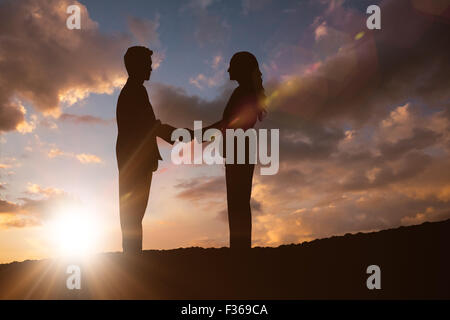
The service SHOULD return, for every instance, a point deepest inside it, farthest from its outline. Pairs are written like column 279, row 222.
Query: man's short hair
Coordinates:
column 135, row 57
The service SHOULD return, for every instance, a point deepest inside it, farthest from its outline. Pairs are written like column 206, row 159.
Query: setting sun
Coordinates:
column 75, row 232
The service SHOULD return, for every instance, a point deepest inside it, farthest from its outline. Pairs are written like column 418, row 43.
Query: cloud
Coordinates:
column 146, row 33
column 364, row 120
column 10, row 113
column 84, row 158
column 334, row 179
column 328, row 40
column 7, row 164
column 85, row 119
column 202, row 188
column 7, row 207
column 428, row 215
column 201, row 81
column 175, row 106
column 88, row 158
column 319, row 211
column 338, row 173
column 356, row 154
column 55, row 152
column 321, row 31
column 145, row 30
column 44, row 63
column 42, row 204
column 364, row 140
column 217, row 61
column 15, row 222
column 371, row 72
column 200, row 4
column 210, row 192
column 26, row 126
column 210, row 29
column 367, row 183
column 253, row 5
column 216, row 75
column 12, row 215
column 35, row 189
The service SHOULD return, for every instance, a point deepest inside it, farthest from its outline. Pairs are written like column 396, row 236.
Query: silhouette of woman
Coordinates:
column 244, row 108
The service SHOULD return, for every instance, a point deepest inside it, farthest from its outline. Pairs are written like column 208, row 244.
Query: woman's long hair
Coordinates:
column 248, row 72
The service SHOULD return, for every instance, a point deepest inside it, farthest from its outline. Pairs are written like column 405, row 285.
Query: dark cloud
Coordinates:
column 256, row 205
column 40, row 204
column 380, row 211
column 368, row 75
column 254, row 5
column 211, row 29
column 342, row 168
column 46, row 64
column 10, row 113
column 420, row 139
column 208, row 188
column 363, row 178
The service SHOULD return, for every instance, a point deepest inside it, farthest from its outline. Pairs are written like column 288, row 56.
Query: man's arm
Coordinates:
column 164, row 131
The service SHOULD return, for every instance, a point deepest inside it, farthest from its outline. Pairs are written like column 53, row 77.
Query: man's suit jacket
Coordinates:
column 136, row 147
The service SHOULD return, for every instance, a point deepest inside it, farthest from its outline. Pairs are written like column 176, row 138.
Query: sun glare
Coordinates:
column 75, row 232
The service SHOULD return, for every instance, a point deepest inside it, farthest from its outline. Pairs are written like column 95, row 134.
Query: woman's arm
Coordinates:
column 217, row 125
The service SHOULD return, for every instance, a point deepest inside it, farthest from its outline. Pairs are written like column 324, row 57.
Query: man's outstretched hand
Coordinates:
column 164, row 131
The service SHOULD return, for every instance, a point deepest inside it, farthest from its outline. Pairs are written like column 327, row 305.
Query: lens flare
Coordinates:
column 75, row 232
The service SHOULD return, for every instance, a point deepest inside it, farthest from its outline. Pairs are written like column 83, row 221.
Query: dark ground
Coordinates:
column 414, row 262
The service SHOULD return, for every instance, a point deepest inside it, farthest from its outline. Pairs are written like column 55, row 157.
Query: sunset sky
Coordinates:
column 364, row 118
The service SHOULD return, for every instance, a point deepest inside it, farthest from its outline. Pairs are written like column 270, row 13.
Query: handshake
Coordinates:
column 166, row 132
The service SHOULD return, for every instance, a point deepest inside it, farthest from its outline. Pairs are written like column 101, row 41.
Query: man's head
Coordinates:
column 138, row 62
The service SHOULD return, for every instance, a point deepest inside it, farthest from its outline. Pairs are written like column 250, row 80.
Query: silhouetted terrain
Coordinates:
column 414, row 263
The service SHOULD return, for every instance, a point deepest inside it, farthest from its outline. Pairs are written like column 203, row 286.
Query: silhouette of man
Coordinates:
column 136, row 148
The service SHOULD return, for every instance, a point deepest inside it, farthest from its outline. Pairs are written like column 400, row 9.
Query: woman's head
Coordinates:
column 244, row 68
